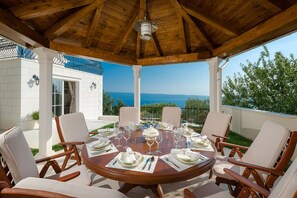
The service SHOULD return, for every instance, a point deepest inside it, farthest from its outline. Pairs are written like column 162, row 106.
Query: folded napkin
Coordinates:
column 185, row 154
column 150, row 132
column 128, row 157
column 163, row 125
column 101, row 142
column 201, row 140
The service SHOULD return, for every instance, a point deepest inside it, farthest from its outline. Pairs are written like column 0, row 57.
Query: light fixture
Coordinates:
column 93, row 86
column 146, row 28
column 36, row 79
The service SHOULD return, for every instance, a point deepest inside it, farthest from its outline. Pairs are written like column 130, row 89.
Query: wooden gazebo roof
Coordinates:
column 188, row 30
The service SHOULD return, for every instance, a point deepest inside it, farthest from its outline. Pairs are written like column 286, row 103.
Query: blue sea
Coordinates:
column 146, row 98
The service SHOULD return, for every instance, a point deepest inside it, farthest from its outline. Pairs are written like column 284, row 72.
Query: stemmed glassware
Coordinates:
column 158, row 140
column 126, row 136
column 150, row 141
column 119, row 135
column 177, row 136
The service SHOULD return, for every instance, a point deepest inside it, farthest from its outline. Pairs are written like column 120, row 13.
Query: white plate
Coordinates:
column 138, row 156
column 105, row 133
column 99, row 146
column 185, row 159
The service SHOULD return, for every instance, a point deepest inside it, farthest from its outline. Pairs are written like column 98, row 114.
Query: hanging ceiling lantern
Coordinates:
column 146, row 28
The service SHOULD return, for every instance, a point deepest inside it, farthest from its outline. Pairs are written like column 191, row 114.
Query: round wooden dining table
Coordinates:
column 163, row 173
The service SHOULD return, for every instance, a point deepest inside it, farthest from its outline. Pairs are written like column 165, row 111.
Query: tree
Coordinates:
column 107, row 104
column 116, row 108
column 196, row 110
column 268, row 84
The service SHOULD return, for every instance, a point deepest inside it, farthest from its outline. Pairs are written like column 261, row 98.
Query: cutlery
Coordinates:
column 147, row 161
column 152, row 159
column 108, row 150
column 115, row 162
column 168, row 160
column 110, row 144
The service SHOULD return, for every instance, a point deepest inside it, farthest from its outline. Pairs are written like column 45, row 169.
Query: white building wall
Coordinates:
column 19, row 95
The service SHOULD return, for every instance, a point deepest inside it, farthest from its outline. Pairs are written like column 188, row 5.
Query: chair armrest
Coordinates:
column 54, row 156
column 188, row 194
column 71, row 143
column 69, row 176
column 235, row 149
column 93, row 133
column 257, row 167
column 247, row 182
column 233, row 145
column 218, row 136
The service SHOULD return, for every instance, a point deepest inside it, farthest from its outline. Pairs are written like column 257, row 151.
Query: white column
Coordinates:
column 45, row 58
column 219, row 90
column 136, row 71
column 213, row 65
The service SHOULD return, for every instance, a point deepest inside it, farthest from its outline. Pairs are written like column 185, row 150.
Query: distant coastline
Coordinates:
column 148, row 98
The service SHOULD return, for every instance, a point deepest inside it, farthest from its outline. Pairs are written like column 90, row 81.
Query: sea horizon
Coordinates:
column 155, row 98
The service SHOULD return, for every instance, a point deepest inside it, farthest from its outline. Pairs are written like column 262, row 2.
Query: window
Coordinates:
column 57, row 97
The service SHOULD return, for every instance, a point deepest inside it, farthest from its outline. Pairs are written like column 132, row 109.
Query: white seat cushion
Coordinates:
column 82, row 179
column 264, row 151
column 216, row 123
column 69, row 189
column 171, row 115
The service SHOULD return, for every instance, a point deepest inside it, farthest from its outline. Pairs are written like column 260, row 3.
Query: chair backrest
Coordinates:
column 171, row 115
column 287, row 185
column 216, row 123
column 128, row 115
column 73, row 127
column 268, row 145
column 17, row 154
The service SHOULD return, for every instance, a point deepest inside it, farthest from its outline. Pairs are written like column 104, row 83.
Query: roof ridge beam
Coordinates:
column 63, row 25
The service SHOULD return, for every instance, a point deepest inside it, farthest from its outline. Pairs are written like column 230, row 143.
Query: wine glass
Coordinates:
column 150, row 141
column 177, row 135
column 126, row 136
column 158, row 140
column 119, row 135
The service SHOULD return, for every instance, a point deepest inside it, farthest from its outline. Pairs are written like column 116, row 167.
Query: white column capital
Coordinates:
column 137, row 68
column 214, row 62
column 45, row 53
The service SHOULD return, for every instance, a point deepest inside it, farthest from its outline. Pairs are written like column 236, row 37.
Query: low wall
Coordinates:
column 247, row 122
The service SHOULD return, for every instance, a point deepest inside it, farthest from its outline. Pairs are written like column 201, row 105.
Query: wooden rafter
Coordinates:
column 93, row 26
column 40, row 8
column 182, row 34
column 62, row 26
column 188, row 19
column 98, row 54
column 142, row 9
column 215, row 23
column 157, row 45
column 268, row 5
column 282, row 19
column 174, row 58
column 126, row 33
column 13, row 28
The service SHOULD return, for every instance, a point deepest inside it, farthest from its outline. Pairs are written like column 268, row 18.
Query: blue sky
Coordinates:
column 186, row 78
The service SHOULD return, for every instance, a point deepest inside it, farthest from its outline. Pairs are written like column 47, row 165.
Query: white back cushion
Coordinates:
column 74, row 127
column 17, row 154
column 127, row 115
column 171, row 115
column 268, row 145
column 216, row 123
column 287, row 186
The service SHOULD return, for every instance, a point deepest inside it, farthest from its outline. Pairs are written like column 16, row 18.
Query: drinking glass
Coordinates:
column 158, row 140
column 126, row 136
column 150, row 141
column 119, row 135
column 177, row 135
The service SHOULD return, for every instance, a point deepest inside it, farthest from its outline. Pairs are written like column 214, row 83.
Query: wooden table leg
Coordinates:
column 157, row 190
column 125, row 188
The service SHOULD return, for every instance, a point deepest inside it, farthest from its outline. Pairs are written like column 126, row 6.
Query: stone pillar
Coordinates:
column 136, row 71
column 213, row 65
column 45, row 58
column 219, row 90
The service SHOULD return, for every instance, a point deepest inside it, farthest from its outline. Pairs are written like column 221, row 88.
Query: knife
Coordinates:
column 147, row 161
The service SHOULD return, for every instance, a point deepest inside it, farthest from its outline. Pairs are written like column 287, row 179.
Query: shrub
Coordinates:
column 35, row 115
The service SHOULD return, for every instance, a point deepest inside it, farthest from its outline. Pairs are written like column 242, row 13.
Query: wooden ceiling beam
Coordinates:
column 183, row 13
column 40, row 8
column 93, row 26
column 126, row 33
column 63, row 25
column 98, row 54
column 157, row 45
column 182, row 34
column 181, row 58
column 215, row 23
column 142, row 9
column 274, row 23
column 12, row 28
column 268, row 5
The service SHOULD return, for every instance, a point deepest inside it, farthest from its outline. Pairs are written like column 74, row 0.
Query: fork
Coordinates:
column 168, row 160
